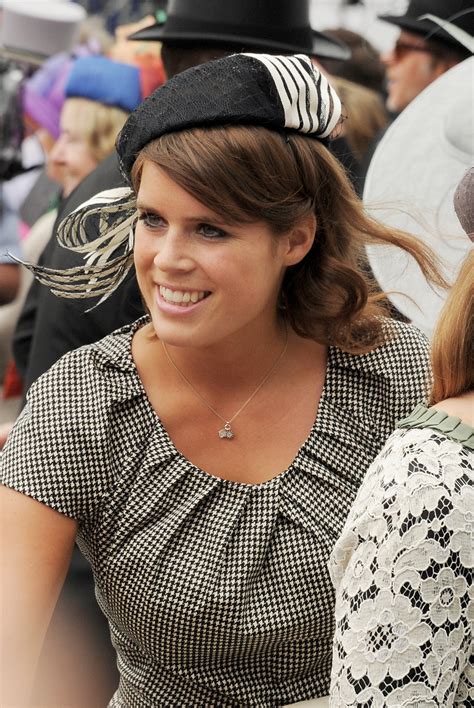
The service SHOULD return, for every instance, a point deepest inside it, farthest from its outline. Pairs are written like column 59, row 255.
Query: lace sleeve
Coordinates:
column 402, row 570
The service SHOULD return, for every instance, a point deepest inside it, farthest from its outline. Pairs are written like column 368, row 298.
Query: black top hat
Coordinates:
column 267, row 25
column 449, row 16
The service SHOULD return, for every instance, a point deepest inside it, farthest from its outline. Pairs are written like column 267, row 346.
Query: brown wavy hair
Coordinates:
column 452, row 351
column 248, row 174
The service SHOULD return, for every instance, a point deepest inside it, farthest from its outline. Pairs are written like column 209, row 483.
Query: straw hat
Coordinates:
column 411, row 183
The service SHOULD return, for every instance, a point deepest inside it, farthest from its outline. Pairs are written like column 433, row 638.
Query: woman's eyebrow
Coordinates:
column 196, row 217
column 144, row 206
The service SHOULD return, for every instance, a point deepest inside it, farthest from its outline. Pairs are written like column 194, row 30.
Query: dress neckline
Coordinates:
column 207, row 475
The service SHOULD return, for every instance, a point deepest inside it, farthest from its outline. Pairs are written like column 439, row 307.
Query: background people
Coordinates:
column 99, row 94
column 366, row 119
column 402, row 566
column 206, row 443
column 33, row 92
column 364, row 67
column 9, row 243
column 435, row 36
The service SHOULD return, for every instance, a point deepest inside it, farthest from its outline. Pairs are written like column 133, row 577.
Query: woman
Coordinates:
column 205, row 457
column 100, row 94
column 403, row 564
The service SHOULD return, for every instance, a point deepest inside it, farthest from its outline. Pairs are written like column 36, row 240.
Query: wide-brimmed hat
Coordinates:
column 448, row 21
column 411, row 183
column 32, row 30
column 267, row 26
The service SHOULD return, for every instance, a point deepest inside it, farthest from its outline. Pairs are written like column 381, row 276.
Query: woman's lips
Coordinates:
column 179, row 302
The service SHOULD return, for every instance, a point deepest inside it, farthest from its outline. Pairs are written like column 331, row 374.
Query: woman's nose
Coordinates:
column 174, row 252
column 56, row 154
column 387, row 57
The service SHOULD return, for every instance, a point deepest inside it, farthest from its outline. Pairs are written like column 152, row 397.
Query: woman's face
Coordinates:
column 71, row 154
column 203, row 281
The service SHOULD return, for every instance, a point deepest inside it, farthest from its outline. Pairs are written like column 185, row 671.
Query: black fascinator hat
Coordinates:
column 276, row 92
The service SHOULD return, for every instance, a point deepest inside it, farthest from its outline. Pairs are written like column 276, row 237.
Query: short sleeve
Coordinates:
column 57, row 450
column 402, row 569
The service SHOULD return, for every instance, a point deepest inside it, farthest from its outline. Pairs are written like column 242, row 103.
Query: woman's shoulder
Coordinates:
column 89, row 371
column 431, row 460
column 416, row 469
column 461, row 407
column 385, row 384
column 403, row 342
column 76, row 420
column 405, row 350
column 112, row 351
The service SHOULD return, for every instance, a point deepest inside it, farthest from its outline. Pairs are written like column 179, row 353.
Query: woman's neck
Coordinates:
column 233, row 363
column 459, row 406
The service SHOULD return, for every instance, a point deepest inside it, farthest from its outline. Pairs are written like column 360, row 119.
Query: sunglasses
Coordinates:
column 401, row 49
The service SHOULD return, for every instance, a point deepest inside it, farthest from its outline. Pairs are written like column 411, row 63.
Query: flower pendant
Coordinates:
column 226, row 432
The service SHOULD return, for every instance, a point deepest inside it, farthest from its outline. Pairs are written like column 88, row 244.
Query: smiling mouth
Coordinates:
column 183, row 298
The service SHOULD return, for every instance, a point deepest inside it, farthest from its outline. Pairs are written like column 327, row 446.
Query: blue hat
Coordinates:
column 100, row 79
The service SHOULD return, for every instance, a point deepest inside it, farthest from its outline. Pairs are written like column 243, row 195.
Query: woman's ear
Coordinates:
column 299, row 240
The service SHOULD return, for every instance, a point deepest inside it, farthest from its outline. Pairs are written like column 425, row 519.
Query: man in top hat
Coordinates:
column 435, row 35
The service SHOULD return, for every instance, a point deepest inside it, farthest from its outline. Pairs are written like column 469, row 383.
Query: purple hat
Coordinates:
column 106, row 81
column 43, row 94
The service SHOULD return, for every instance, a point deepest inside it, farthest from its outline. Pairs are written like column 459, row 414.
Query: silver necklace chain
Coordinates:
column 226, row 433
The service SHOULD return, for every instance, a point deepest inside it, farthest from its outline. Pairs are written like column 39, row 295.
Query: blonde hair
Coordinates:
column 98, row 123
column 452, row 352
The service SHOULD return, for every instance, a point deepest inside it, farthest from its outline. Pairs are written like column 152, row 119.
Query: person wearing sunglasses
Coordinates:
column 435, row 36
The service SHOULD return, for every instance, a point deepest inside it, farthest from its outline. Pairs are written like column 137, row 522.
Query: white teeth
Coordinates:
column 180, row 297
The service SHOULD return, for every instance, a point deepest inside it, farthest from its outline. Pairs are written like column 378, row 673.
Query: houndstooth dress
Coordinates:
column 217, row 592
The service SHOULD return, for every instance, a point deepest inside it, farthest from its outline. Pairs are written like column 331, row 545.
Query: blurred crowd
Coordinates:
column 64, row 99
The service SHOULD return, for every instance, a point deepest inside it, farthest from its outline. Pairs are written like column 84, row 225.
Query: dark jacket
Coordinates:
column 50, row 326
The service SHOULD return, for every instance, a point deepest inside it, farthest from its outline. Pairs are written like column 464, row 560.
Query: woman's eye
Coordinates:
column 211, row 232
column 153, row 221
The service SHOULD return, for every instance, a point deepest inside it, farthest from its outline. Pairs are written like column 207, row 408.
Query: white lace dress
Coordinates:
column 402, row 569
